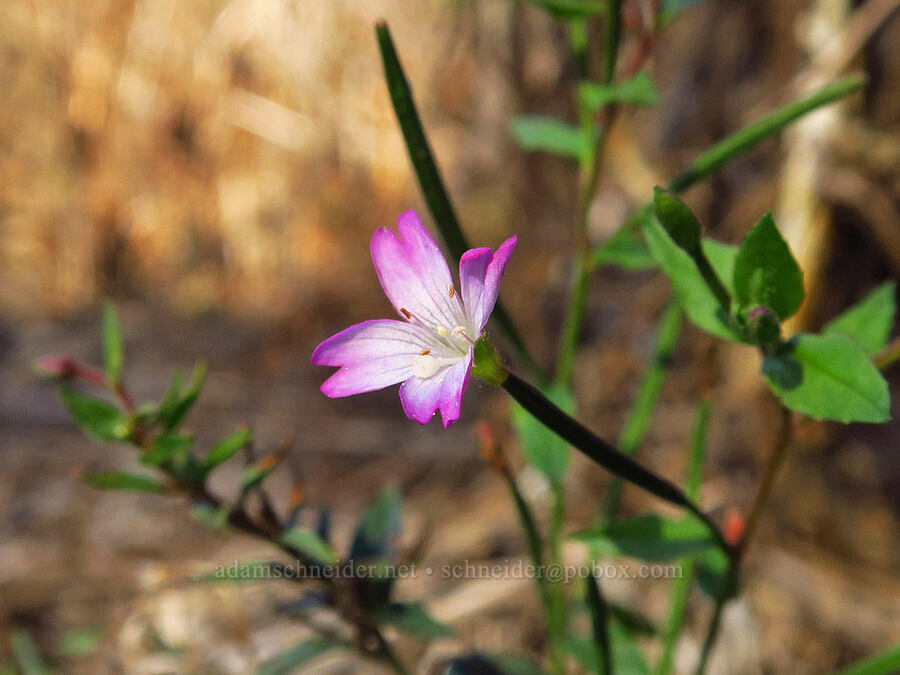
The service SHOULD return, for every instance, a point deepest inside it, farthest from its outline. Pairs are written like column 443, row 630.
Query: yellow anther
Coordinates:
column 452, row 291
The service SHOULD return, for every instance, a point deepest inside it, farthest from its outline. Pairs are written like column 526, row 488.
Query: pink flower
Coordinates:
column 430, row 351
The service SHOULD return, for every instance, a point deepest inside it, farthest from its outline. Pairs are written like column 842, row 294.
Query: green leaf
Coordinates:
column 570, row 9
column 649, row 537
column 125, row 481
column 171, row 398
column 379, row 527
column 308, row 542
column 255, row 474
column 766, row 273
column 95, row 417
column 412, row 619
column 712, row 572
column 113, row 351
column 721, row 256
column 692, row 291
column 638, row 90
column 542, row 448
column 213, row 517
column 186, row 400
column 885, row 663
column 870, row 321
column 828, row 377
column 225, row 449
column 165, row 448
column 289, row 661
column 534, row 133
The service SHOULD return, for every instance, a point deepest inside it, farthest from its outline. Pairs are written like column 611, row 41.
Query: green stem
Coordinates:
column 600, row 451
column 639, row 417
column 611, row 44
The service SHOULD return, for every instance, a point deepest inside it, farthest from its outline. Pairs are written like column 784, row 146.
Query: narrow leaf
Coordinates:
column 379, row 527
column 545, row 134
column 187, row 399
column 638, row 90
column 412, row 619
column 170, row 398
column 766, row 273
column 649, row 537
column 112, row 344
column 870, row 321
column 96, row 417
column 308, row 542
column 225, row 449
column 125, row 481
column 165, row 448
column 828, row 377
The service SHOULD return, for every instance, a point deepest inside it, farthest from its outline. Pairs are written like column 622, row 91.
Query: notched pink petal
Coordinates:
column 421, row 398
column 479, row 278
column 370, row 340
column 412, row 270
column 372, row 355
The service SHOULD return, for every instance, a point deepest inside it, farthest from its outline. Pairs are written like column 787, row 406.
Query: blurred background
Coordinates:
column 217, row 168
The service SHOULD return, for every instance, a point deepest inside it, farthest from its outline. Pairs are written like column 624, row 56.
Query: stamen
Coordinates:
column 460, row 332
column 442, row 331
column 452, row 291
column 405, row 312
column 425, row 352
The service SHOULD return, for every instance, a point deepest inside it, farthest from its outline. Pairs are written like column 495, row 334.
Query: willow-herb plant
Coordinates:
column 741, row 294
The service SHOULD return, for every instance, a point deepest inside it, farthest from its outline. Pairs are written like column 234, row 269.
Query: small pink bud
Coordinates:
column 56, row 367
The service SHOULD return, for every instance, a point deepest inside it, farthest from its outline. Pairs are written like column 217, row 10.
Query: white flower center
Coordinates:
column 426, row 366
